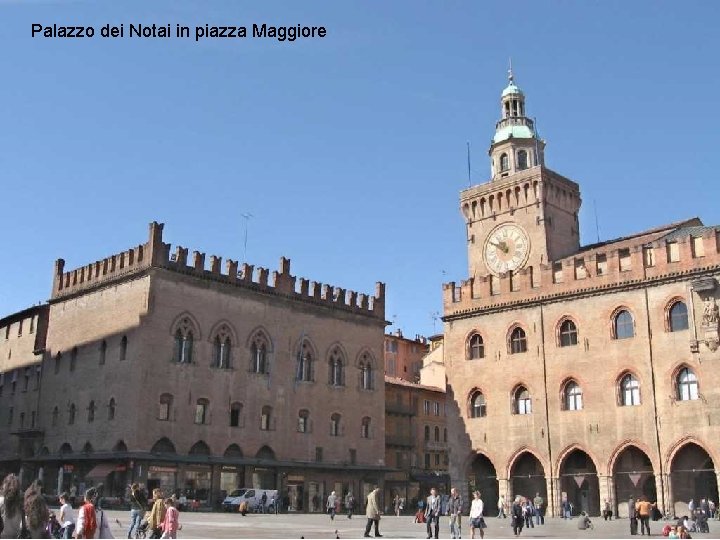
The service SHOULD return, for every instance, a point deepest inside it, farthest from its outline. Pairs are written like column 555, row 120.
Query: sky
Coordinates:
column 349, row 152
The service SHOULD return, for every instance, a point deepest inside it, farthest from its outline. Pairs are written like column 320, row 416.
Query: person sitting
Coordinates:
column 682, row 532
column 689, row 524
column 673, row 533
column 584, row 522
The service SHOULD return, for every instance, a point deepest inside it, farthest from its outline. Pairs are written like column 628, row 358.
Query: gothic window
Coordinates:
column 624, row 325
column 572, row 397
column 201, row 411
column 235, row 412
column 335, row 425
column 687, row 385
column 166, row 401
column 522, row 403
column 222, row 346
column 184, row 340
column 476, row 347
column 305, row 363
column 477, row 405
column 73, row 358
column 504, row 162
column 366, row 373
column 336, row 368
column 111, row 409
column 71, row 414
column 103, row 351
column 91, row 412
column 518, row 341
column 437, row 434
column 678, row 317
column 629, row 390
column 365, row 428
column 303, row 421
column 522, row 160
column 55, row 415
column 568, row 333
column 123, row 348
column 266, row 418
column 259, row 354
column 427, row 433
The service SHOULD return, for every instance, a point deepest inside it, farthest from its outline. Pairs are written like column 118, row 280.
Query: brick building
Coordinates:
column 404, row 356
column 580, row 372
column 146, row 366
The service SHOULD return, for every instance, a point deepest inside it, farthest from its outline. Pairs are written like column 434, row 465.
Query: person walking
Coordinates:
column 516, row 515
column 67, row 516
column 11, row 507
column 396, row 505
column 529, row 512
column 539, row 503
column 501, row 507
column 171, row 521
column 455, row 508
column 372, row 512
column 644, row 511
column 607, row 510
column 157, row 514
column 632, row 514
column 87, row 520
column 330, row 506
column 138, row 505
column 37, row 513
column 477, row 521
column 432, row 513
column 349, row 504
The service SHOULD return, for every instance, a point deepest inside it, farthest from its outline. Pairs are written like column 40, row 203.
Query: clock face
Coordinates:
column 506, row 249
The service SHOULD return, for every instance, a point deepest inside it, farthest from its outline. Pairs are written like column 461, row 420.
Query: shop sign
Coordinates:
column 158, row 469
column 121, row 468
column 295, row 478
column 68, row 468
column 228, row 468
column 202, row 468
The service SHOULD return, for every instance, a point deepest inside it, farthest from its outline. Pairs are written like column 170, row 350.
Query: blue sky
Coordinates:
column 349, row 151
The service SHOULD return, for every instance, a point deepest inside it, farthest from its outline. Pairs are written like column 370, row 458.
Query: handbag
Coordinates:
column 24, row 532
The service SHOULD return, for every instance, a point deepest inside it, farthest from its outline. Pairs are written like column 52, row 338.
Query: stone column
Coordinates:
column 60, row 479
column 504, row 490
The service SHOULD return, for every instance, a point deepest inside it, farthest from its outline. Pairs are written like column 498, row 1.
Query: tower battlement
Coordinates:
column 157, row 254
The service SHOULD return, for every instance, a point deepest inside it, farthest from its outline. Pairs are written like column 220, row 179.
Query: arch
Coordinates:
column 475, row 346
column 516, row 339
column 185, row 332
column 566, row 332
column 44, row 451
column 578, row 474
column 504, row 162
column 260, row 330
column 572, row 395
column 629, row 389
column 120, row 446
column 622, row 323
column 265, row 452
column 163, row 446
column 229, row 329
column 200, row 448
column 65, row 448
column 522, row 159
column 527, row 474
column 685, row 383
column 233, row 451
column 186, row 320
column 366, row 365
column 223, row 338
column 482, row 476
column 633, row 475
column 260, row 346
column 87, row 448
column 521, row 399
column 336, row 360
column 305, row 358
column 692, row 473
column 477, row 404
column 335, row 425
column 676, row 315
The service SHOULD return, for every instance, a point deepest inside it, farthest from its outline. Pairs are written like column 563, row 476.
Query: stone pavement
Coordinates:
column 233, row 525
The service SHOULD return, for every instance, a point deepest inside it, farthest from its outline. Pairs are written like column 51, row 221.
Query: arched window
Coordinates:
column 437, row 434
column 201, row 411
column 522, row 402
column 303, row 421
column 624, row 325
column 427, row 433
column 166, row 401
column 222, row 346
column 366, row 373
column 568, row 333
column 91, row 412
column 73, row 358
column 476, row 347
column 111, row 409
column 184, row 340
column 123, row 348
column 103, row 351
column 572, row 397
column 504, row 162
column 305, row 361
column 365, row 428
column 71, row 414
column 522, row 160
column 629, row 391
column 235, row 412
column 58, row 362
column 477, row 405
column 266, row 418
column 336, row 376
column 687, row 385
column 258, row 354
column 335, row 425
column 678, row 317
column 55, row 414
column 518, row 341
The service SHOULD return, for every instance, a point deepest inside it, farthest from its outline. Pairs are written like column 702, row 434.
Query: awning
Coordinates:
column 101, row 471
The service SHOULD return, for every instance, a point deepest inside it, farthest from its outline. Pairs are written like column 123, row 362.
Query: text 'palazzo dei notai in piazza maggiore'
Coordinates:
column 581, row 373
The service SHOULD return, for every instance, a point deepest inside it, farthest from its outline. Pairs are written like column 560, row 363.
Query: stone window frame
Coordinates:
column 305, row 359
column 620, row 388
column 202, row 412
column 515, row 396
column 565, row 396
column 678, row 384
column 559, row 333
column 510, row 340
column 475, row 393
column 259, row 342
column 222, row 340
column 185, row 332
column 337, row 364
column 166, row 399
column 470, row 347
column 336, row 427
column 667, row 314
column 365, row 362
column 614, row 319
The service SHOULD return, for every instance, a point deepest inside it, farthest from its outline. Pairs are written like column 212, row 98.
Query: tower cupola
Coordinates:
column 516, row 145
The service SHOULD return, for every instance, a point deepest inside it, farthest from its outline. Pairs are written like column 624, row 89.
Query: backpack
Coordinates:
column 90, row 520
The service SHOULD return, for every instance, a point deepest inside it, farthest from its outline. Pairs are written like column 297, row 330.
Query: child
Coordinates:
column 584, row 522
column 170, row 522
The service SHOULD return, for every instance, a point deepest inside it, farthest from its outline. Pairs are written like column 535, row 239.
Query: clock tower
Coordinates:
column 527, row 214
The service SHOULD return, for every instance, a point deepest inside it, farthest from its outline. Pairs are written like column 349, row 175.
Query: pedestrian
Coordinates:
column 331, row 500
column 644, row 511
column 171, row 521
column 455, row 508
column 539, row 504
column 632, row 514
column 516, row 516
column 607, row 510
column 566, row 509
column 349, row 504
column 37, row 513
column 432, row 513
column 11, row 507
column 477, row 521
column 157, row 513
column 87, row 520
column 263, row 502
column 501, row 507
column 372, row 512
column 584, row 523
column 67, row 516
column 529, row 512
column 138, row 505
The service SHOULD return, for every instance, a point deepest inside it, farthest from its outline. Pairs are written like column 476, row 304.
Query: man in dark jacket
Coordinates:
column 632, row 514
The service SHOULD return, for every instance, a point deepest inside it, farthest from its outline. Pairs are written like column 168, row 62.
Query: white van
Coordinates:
column 252, row 496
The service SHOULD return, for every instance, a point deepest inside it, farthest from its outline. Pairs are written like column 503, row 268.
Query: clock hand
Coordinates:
column 500, row 245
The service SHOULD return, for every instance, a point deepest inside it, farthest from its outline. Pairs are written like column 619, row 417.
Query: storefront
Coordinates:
column 163, row 477
column 197, row 483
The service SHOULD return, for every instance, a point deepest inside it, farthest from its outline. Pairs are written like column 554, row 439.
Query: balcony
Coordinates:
column 404, row 441
column 400, row 408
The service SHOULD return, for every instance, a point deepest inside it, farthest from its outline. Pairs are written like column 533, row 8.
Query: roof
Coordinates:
column 650, row 235
column 684, row 232
column 516, row 132
column 511, row 88
column 402, row 382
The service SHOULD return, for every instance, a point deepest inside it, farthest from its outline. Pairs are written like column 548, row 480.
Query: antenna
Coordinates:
column 468, row 152
column 246, row 216
column 435, row 315
column 537, row 140
column 597, row 225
